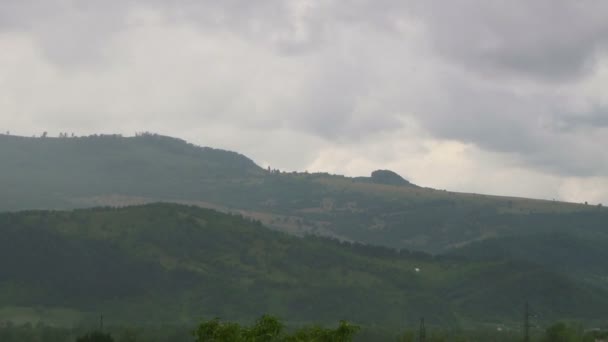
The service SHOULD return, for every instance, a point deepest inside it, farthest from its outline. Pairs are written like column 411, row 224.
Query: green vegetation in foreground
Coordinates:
column 269, row 329
column 384, row 209
column 95, row 336
column 173, row 264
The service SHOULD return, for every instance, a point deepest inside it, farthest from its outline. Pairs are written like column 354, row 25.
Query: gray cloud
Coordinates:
column 531, row 125
column 545, row 39
column 595, row 118
column 519, row 80
column 69, row 32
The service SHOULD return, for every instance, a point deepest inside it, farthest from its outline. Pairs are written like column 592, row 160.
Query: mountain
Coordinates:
column 57, row 172
column 175, row 264
column 383, row 209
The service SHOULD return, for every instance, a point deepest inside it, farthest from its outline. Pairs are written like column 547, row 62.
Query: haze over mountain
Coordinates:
column 496, row 251
column 469, row 95
column 384, row 209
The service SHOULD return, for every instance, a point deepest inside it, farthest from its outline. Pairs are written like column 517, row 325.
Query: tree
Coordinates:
column 95, row 336
column 345, row 331
column 561, row 332
column 270, row 329
column 267, row 328
column 216, row 331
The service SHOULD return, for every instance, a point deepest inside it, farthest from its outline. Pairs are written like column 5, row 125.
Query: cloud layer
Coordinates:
column 495, row 97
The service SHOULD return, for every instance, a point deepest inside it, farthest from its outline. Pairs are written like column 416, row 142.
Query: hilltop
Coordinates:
column 383, row 209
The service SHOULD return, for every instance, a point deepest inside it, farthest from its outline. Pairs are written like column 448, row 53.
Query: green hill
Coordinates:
column 384, row 209
column 176, row 264
column 57, row 172
column 582, row 257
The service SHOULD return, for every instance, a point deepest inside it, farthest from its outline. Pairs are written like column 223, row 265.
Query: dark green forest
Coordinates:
column 194, row 262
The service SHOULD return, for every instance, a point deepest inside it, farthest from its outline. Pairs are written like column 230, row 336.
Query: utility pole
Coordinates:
column 101, row 323
column 526, row 323
column 422, row 331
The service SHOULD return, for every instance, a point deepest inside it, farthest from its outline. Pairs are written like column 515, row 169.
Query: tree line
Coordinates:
column 271, row 329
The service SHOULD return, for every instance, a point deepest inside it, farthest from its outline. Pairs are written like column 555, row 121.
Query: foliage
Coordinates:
column 579, row 256
column 267, row 328
column 215, row 331
column 10, row 332
column 171, row 263
column 571, row 332
column 345, row 332
column 270, row 329
column 95, row 336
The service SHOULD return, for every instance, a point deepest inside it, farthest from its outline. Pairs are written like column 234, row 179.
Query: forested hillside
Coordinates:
column 384, row 209
column 579, row 256
column 174, row 263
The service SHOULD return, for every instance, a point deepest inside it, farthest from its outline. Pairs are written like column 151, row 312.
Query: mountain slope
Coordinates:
column 582, row 256
column 60, row 173
column 174, row 263
column 51, row 172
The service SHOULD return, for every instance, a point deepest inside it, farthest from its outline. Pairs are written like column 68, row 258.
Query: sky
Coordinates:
column 498, row 97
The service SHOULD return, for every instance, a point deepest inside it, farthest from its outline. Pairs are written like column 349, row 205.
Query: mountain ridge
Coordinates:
column 65, row 173
column 377, row 176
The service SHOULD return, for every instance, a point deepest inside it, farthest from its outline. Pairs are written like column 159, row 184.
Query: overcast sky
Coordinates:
column 503, row 97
